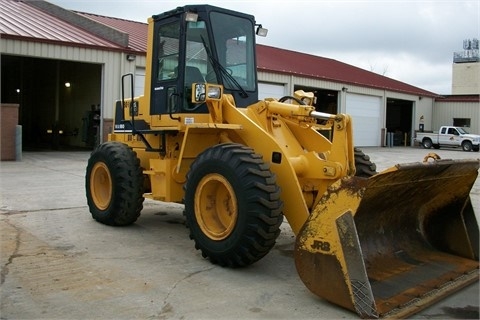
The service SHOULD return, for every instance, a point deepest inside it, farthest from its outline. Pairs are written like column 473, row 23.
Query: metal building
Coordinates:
column 64, row 69
column 458, row 110
column 462, row 108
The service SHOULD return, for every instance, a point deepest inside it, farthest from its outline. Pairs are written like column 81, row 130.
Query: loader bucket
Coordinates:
column 393, row 244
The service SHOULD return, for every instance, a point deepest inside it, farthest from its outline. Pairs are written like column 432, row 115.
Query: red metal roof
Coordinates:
column 22, row 21
column 459, row 98
column 291, row 62
column 137, row 31
column 19, row 20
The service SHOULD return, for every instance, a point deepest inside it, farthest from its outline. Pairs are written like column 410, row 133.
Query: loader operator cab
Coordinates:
column 197, row 44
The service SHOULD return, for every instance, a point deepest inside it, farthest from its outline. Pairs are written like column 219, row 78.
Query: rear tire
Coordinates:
column 363, row 166
column 232, row 205
column 427, row 143
column 114, row 184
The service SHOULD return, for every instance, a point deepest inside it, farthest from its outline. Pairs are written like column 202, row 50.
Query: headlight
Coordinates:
column 206, row 91
column 199, row 89
column 214, row 92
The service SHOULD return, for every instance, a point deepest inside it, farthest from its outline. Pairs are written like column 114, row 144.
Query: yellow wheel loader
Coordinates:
column 381, row 244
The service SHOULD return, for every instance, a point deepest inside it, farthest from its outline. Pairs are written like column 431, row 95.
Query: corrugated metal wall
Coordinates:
column 422, row 106
column 445, row 112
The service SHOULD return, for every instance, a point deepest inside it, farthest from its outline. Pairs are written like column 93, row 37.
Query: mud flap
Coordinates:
column 393, row 244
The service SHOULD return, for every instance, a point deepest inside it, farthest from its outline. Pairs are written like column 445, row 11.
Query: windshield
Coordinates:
column 233, row 38
column 462, row 131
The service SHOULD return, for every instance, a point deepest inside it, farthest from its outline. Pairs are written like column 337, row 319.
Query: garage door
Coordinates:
column 270, row 90
column 366, row 112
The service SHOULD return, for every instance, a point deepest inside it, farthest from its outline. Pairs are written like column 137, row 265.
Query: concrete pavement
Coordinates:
column 58, row 263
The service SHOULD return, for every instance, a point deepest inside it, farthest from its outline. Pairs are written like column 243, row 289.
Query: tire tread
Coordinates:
column 263, row 216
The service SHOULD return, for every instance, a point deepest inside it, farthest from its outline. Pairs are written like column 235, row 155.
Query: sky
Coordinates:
column 410, row 41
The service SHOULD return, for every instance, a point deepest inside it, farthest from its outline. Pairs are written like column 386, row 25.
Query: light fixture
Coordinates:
column 131, row 57
column 344, row 89
column 67, row 84
column 262, row 32
column 214, row 92
column 191, row 17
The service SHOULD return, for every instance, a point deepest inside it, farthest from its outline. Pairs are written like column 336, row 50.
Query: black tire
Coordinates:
column 114, row 184
column 427, row 143
column 363, row 166
column 467, row 146
column 232, row 205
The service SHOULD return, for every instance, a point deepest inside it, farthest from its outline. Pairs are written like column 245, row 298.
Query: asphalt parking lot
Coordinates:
column 58, row 263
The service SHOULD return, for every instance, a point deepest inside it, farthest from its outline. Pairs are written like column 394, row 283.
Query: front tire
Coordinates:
column 114, row 184
column 364, row 167
column 467, row 146
column 232, row 205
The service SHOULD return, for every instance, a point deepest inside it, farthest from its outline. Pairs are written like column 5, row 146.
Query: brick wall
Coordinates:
column 8, row 124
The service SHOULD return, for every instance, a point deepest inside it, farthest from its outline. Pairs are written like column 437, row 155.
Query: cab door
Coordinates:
column 168, row 57
column 443, row 137
column 450, row 137
column 455, row 136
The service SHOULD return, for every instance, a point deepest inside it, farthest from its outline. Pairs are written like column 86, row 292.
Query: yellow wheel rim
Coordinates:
column 101, row 185
column 215, row 207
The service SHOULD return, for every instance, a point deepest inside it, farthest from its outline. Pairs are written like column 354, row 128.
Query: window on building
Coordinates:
column 461, row 122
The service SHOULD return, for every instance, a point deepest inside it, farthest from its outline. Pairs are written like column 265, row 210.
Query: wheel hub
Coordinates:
column 101, row 185
column 216, row 208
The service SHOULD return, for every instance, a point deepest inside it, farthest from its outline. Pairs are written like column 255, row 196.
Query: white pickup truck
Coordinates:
column 449, row 136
